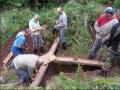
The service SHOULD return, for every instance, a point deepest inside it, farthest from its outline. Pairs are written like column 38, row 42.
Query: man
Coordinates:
column 61, row 26
column 36, row 29
column 103, row 27
column 25, row 65
column 19, row 44
column 114, row 45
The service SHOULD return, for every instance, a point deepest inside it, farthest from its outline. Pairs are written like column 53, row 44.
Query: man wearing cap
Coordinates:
column 113, row 45
column 61, row 26
column 35, row 30
column 25, row 65
column 19, row 45
column 103, row 27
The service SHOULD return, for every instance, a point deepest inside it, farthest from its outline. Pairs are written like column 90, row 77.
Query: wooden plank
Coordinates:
column 8, row 58
column 79, row 61
column 47, row 58
column 39, row 76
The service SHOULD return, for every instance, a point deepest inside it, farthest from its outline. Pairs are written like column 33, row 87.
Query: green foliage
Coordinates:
column 77, row 34
column 104, row 1
column 105, row 84
column 9, row 4
column 117, row 4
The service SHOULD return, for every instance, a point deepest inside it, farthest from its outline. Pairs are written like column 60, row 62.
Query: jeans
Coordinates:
column 62, row 35
column 22, row 74
column 37, row 41
column 16, row 51
column 96, row 46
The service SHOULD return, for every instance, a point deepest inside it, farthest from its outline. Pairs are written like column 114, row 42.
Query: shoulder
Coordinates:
column 31, row 21
column 101, row 18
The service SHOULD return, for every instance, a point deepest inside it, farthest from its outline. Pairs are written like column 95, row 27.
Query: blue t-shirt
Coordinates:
column 20, row 40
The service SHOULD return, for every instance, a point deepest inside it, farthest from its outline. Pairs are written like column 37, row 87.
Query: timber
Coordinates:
column 9, row 56
column 79, row 61
column 47, row 58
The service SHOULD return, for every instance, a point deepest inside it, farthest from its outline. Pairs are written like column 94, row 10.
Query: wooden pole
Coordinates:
column 43, row 68
column 5, row 61
column 79, row 61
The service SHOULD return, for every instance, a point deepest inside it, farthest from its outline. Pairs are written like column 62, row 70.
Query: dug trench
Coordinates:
column 53, row 69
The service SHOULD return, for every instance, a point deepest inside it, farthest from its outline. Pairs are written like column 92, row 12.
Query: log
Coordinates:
column 5, row 61
column 43, row 68
column 8, row 58
column 39, row 76
column 79, row 61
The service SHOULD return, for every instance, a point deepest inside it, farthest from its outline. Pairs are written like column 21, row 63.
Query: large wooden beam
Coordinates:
column 47, row 57
column 79, row 61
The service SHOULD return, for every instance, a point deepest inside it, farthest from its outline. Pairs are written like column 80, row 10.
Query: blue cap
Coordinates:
column 109, row 10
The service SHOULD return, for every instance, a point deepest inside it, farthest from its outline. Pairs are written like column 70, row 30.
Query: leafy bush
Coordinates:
column 117, row 4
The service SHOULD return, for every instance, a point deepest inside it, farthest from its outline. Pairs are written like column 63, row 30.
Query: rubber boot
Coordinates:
column 64, row 46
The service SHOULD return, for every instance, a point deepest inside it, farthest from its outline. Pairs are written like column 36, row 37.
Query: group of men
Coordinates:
column 25, row 64
column 107, row 33
column 107, row 29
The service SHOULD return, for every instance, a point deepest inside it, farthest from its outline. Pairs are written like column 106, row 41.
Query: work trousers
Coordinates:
column 37, row 41
column 62, row 35
column 21, row 73
column 96, row 46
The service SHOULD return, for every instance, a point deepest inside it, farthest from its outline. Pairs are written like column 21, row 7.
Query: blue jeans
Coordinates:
column 22, row 74
column 62, row 35
column 16, row 51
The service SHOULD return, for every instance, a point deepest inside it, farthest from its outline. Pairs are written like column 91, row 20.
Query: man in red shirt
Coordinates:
column 103, row 27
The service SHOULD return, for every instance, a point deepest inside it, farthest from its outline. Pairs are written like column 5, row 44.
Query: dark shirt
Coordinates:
column 114, row 40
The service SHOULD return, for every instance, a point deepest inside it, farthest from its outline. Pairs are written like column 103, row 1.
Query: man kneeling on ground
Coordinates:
column 25, row 65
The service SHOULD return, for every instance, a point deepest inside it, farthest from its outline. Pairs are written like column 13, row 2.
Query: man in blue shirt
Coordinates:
column 20, row 42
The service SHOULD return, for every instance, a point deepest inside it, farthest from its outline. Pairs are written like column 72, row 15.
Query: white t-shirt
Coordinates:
column 25, row 61
column 34, row 27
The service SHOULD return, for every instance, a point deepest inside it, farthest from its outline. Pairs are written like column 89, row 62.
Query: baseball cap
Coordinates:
column 109, row 10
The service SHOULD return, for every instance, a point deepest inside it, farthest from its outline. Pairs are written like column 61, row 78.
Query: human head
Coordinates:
column 109, row 12
column 59, row 11
column 117, row 14
column 36, row 17
column 27, row 33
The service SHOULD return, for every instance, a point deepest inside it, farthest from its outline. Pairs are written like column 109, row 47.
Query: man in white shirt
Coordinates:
column 61, row 26
column 36, row 29
column 25, row 65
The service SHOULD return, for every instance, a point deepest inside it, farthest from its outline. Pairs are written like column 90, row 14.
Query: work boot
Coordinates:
column 64, row 46
column 90, row 57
